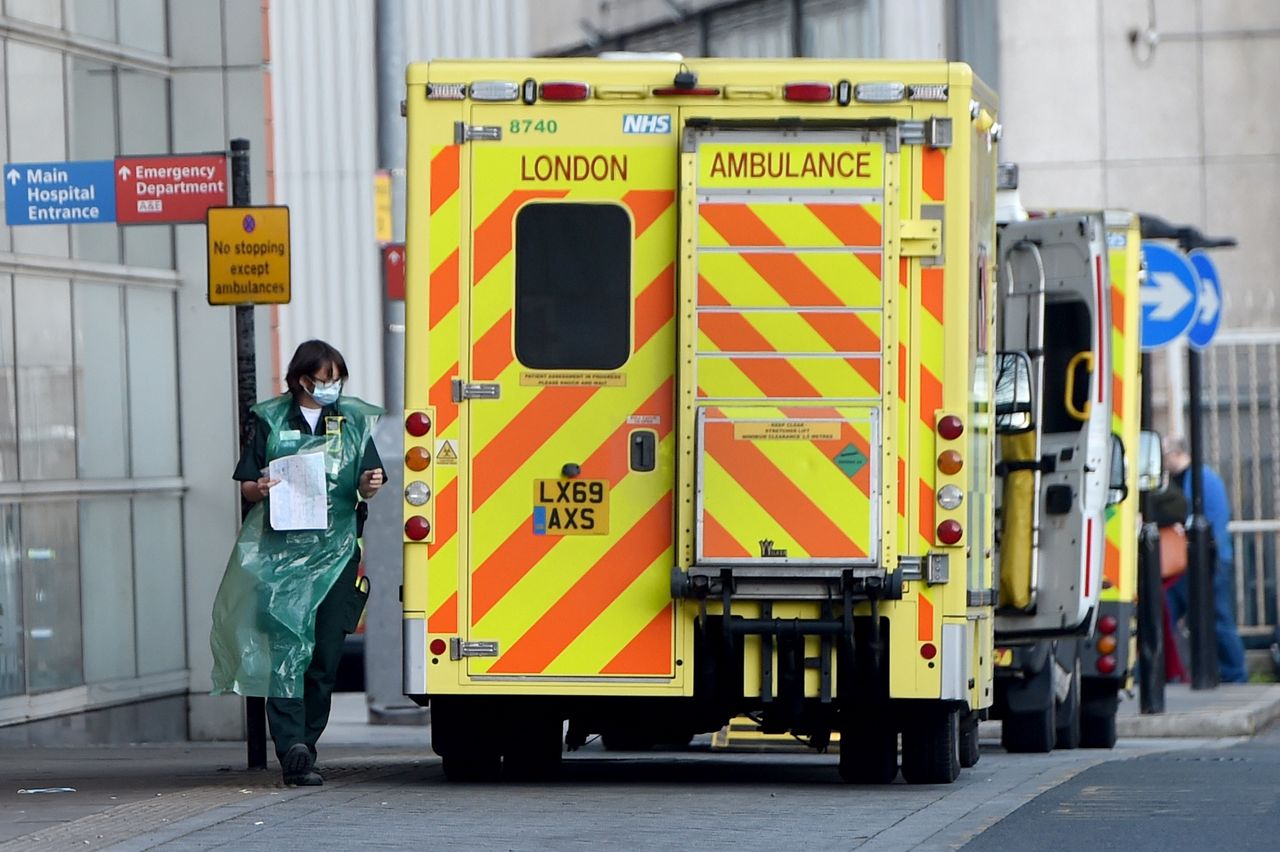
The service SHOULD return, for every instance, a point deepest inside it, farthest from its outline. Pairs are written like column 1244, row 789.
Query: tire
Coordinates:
column 535, row 752
column 969, row 752
column 1029, row 733
column 869, row 756
column 1098, row 725
column 931, row 748
column 1067, row 733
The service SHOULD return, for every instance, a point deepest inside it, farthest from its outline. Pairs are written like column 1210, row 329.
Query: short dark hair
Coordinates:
column 310, row 357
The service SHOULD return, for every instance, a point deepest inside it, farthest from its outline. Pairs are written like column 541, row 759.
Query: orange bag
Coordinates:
column 1173, row 551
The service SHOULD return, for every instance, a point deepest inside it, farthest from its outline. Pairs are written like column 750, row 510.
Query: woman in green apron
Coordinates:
column 290, row 594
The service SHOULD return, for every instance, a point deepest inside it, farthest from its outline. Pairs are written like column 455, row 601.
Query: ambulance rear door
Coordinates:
column 1057, row 306
column 569, row 391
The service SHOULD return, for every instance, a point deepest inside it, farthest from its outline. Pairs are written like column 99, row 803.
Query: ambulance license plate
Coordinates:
column 571, row 507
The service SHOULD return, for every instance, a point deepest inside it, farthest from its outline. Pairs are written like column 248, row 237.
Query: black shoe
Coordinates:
column 296, row 761
column 303, row 779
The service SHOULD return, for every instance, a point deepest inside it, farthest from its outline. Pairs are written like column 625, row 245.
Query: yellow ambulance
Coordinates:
column 698, row 361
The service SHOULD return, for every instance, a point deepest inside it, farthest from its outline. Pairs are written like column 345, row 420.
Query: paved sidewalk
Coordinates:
column 129, row 797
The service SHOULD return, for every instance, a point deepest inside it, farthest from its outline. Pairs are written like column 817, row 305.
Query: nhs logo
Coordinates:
column 646, row 123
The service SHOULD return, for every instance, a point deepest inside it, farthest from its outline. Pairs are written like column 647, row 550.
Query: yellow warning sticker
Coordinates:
column 786, row 430
column 558, row 379
column 446, row 453
column 1004, row 657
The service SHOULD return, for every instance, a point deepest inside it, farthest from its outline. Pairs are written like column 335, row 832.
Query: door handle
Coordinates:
column 644, row 450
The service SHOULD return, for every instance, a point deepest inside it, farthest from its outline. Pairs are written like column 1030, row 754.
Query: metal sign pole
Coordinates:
column 255, row 709
column 1151, row 650
column 1204, row 651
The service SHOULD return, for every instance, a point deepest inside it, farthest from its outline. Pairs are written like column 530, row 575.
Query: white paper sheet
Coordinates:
column 300, row 500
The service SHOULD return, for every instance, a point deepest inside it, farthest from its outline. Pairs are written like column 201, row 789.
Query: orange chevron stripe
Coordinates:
column 647, row 205
column 492, row 352
column 780, row 497
column 738, row 225
column 735, row 334
column 930, row 395
column 444, row 288
column 656, row 306
column 924, row 618
column 492, row 240
column 649, row 652
column 647, row 540
column 718, row 541
column 1117, row 394
column 902, row 491
column 931, row 293
column 830, row 448
column 445, row 619
column 533, row 426
column 444, row 175
column 1117, row 308
column 708, row 295
column 522, row 550
column 1111, row 564
column 933, row 175
column 926, row 511
column 441, row 396
column 851, row 223
column 796, row 283
column 842, row 332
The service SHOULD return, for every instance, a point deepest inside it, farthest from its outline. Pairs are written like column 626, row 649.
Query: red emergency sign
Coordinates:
column 393, row 270
column 167, row 190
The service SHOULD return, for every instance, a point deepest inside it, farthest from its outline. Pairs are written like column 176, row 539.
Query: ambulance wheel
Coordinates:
column 869, row 755
column 931, row 747
column 472, row 766
column 969, row 753
column 1067, row 714
column 537, row 752
column 1098, row 715
column 1029, row 733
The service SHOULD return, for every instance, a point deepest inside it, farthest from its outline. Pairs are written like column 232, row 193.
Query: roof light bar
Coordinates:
column 879, row 93
column 565, row 90
column 495, row 90
column 808, row 92
column 446, row 91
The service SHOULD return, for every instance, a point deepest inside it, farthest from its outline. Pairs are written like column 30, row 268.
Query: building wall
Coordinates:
column 116, row 513
column 903, row 29
column 1187, row 130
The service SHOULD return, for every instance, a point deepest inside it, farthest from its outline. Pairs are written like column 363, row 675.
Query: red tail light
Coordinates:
column 928, row 650
column 950, row 532
column 417, row 528
column 1107, row 664
column 950, row 427
column 1108, row 624
column 565, row 91
column 697, row 92
column 810, row 92
column 438, row 646
column 417, row 424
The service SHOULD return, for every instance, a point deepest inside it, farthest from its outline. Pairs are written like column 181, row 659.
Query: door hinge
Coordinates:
column 459, row 648
column 463, row 132
column 463, row 391
column 920, row 237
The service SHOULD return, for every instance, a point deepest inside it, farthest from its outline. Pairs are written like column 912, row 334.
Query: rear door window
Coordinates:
column 573, row 286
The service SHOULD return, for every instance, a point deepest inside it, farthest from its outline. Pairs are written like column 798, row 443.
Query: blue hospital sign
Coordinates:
column 67, row 193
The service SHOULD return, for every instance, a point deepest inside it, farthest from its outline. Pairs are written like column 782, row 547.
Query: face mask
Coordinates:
column 326, row 393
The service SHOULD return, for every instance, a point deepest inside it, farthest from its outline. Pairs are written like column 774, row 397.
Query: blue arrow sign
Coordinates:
column 1170, row 296
column 67, row 193
column 1209, row 317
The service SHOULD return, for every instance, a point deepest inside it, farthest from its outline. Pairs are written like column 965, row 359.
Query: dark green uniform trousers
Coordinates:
column 302, row 720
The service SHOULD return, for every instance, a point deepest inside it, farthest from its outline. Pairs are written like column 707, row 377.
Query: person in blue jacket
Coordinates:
column 1177, row 460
